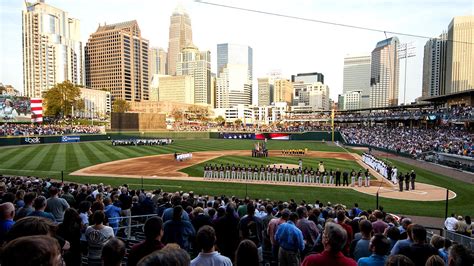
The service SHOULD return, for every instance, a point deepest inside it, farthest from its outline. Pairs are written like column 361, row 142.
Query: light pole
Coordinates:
column 92, row 115
column 406, row 50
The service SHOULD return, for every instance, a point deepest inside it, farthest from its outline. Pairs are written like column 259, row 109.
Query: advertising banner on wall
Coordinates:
column 276, row 136
column 70, row 138
column 32, row 140
column 236, row 135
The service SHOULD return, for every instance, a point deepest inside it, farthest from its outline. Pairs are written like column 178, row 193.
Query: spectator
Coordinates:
column 153, row 233
column 380, row 247
column 403, row 227
column 178, row 231
column 68, row 196
column 379, row 226
column 291, row 242
column 272, row 229
column 470, row 225
column 459, row 256
column 85, row 212
column 361, row 247
column 40, row 205
column 96, row 236
column 206, row 239
column 168, row 213
column 246, row 254
column 419, row 251
column 171, row 254
column 308, row 228
column 113, row 252
column 435, row 260
column 393, row 235
column 444, row 252
column 55, row 205
column 32, row 251
column 200, row 218
column 30, row 226
column 334, row 239
column 7, row 213
column 27, row 209
column 250, row 227
column 450, row 223
column 112, row 213
column 227, row 232
column 341, row 220
column 404, row 242
column 461, row 226
column 70, row 230
column 398, row 260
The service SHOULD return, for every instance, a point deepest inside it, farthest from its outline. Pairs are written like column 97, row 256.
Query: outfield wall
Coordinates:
column 27, row 140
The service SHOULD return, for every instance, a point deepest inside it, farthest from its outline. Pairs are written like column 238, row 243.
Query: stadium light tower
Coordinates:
column 405, row 50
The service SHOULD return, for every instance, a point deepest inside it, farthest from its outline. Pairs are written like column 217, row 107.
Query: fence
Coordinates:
column 466, row 241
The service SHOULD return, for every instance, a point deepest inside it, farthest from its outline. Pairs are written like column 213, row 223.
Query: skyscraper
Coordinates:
column 384, row 74
column 234, row 70
column 460, row 54
column 434, row 67
column 117, row 61
column 283, row 91
column 357, row 77
column 180, row 36
column 52, row 48
column 265, row 92
column 157, row 61
column 192, row 62
column 308, row 77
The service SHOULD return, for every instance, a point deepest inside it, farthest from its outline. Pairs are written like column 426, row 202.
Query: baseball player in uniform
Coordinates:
column 221, row 171
column 331, row 177
column 274, row 173
column 262, row 173
column 293, row 175
column 353, row 178
column 239, row 172
column 243, row 171
column 359, row 177
column 280, row 174
column 249, row 172
column 299, row 175
column 255, row 173
column 227, row 171
column 325, row 176
column 232, row 174
column 215, row 171
column 287, row 175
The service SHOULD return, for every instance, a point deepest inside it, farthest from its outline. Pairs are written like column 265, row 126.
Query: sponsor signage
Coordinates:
column 32, row 140
column 70, row 138
column 237, row 136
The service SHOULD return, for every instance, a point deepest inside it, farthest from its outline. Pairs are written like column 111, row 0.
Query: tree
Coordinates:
column 79, row 106
column 120, row 106
column 238, row 122
column 60, row 99
column 220, row 120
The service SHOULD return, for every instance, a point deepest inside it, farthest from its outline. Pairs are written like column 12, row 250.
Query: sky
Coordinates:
column 286, row 45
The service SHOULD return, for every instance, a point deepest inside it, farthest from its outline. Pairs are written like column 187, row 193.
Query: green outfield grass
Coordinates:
column 50, row 160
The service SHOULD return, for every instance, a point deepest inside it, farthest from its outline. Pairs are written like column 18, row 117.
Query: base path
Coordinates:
column 164, row 166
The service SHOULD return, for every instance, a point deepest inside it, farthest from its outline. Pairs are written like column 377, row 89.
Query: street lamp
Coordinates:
column 92, row 115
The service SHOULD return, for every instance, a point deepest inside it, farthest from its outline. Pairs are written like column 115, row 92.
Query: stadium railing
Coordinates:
column 453, row 236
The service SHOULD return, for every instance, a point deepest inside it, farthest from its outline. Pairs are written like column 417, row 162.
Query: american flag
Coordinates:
column 36, row 110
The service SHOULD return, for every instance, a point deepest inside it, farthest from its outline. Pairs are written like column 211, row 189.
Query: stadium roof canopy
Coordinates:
column 456, row 98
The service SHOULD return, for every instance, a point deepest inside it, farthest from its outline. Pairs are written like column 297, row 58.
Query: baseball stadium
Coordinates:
column 118, row 152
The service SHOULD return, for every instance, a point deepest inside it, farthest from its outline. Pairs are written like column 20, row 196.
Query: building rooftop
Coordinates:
column 120, row 25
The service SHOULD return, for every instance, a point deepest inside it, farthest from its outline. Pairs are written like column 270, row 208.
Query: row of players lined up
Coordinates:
column 141, row 142
column 289, row 175
column 391, row 173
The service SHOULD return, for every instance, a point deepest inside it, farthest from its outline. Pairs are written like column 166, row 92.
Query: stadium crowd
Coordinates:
column 413, row 141
column 46, row 129
column 44, row 222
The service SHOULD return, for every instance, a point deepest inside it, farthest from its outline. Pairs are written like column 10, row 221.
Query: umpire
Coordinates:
column 400, row 181
column 412, row 179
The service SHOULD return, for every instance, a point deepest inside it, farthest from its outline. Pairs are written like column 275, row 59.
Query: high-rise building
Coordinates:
column 234, row 80
column 357, row 77
column 180, row 36
column 117, row 61
column 308, row 77
column 157, row 63
column 384, row 74
column 434, row 67
column 460, row 54
column 265, row 92
column 177, row 89
column 350, row 100
column 196, row 64
column 283, row 91
column 52, row 48
column 315, row 94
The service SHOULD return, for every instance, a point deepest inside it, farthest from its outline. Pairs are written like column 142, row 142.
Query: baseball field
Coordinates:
column 72, row 159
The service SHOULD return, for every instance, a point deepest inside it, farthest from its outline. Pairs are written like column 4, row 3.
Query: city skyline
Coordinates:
column 325, row 56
